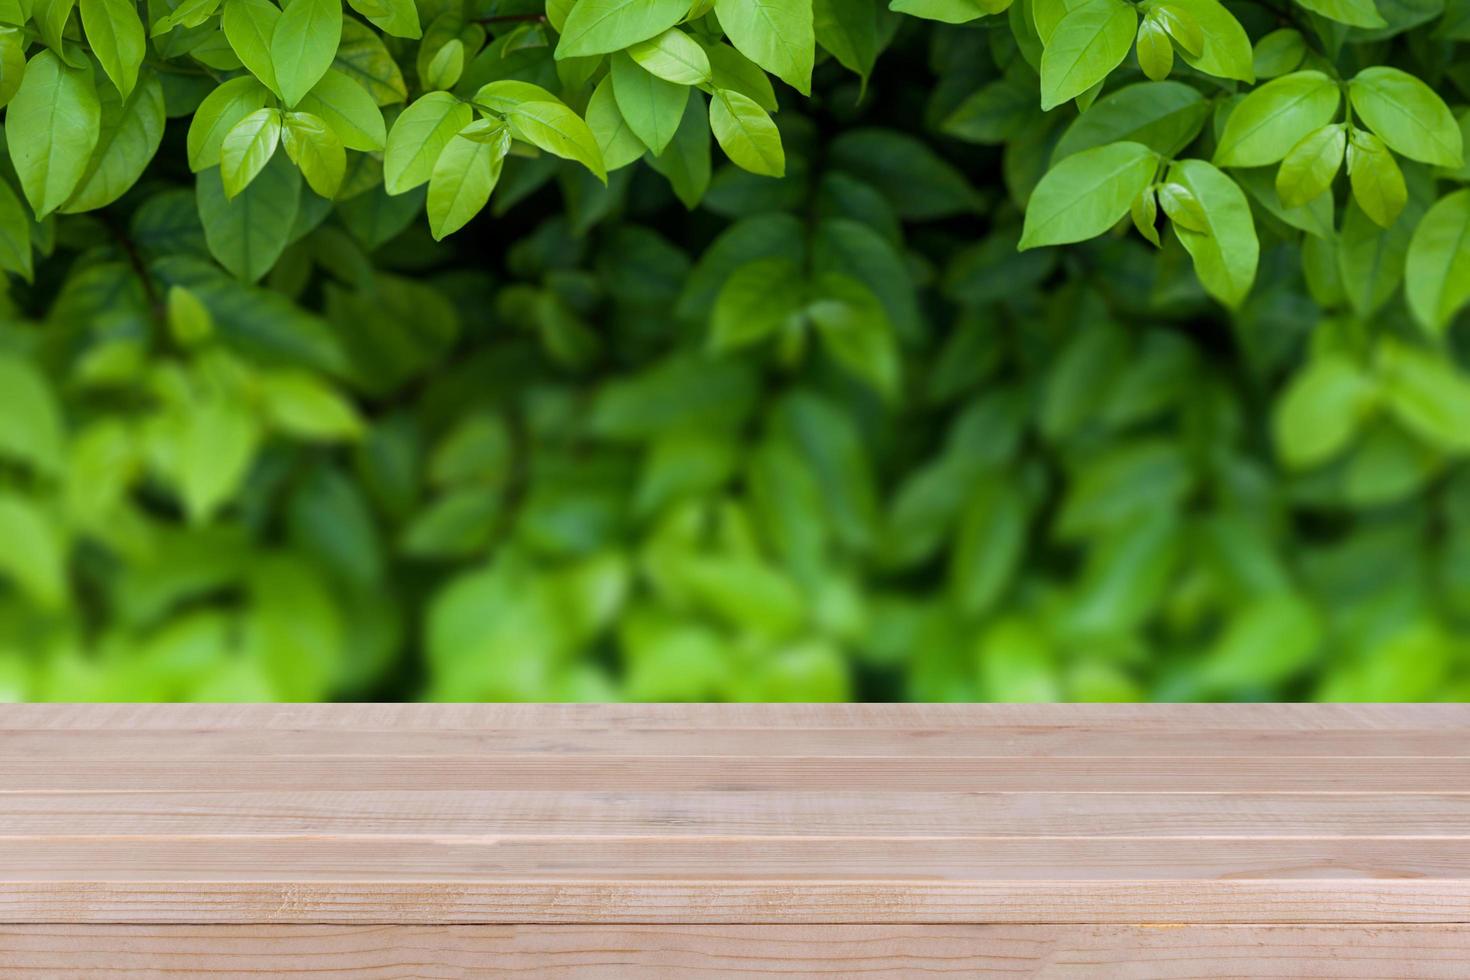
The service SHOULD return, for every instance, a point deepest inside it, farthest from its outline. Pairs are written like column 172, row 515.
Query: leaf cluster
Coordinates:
column 734, row 349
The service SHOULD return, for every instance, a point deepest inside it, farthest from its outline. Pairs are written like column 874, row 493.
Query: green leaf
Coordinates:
column 248, row 148
column 1087, row 45
column 746, row 134
column 949, row 11
column 850, row 32
column 445, row 67
column 1357, row 13
column 919, row 183
column 1164, row 116
column 295, row 630
column 364, row 58
column 559, row 131
column 34, row 557
column 215, row 440
column 1427, row 395
column 1437, row 271
column 51, row 128
column 1120, row 485
column 419, row 135
column 1183, row 208
column 1407, row 115
column 1181, row 27
column 1310, row 167
column 1225, row 255
column 399, row 18
column 219, row 113
column 673, row 56
column 1316, row 217
column 1047, row 14
column 1226, row 48
column 30, row 419
column 247, row 235
column 1279, row 52
column 856, row 250
column 249, row 26
column 1272, row 119
column 505, row 94
column 1155, row 50
column 733, row 70
column 259, row 323
column 1377, row 182
column 1087, row 193
column 116, row 36
column 759, row 299
column 664, row 397
column 315, row 148
column 651, row 106
column 618, row 143
column 1321, row 410
column 990, row 544
column 1267, row 642
column 995, row 113
column 304, row 406
column 1015, row 663
column 464, row 176
column 189, row 321
column 131, row 134
column 1370, row 258
column 855, row 331
column 349, row 110
column 304, row 44
column 686, row 161
column 778, row 35
column 1144, row 210
column 604, row 26
column 15, row 234
column 188, row 14
column 12, row 64
column 756, row 237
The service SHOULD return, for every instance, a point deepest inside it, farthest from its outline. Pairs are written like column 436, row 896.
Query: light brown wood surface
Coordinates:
column 883, row 840
column 674, row 952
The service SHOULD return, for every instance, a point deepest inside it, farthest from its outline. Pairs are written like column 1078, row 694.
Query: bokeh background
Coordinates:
column 511, row 466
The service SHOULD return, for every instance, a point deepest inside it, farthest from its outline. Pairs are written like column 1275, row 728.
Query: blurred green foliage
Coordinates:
column 826, row 436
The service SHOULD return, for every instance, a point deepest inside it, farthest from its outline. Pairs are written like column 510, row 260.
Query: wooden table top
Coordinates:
column 734, row 814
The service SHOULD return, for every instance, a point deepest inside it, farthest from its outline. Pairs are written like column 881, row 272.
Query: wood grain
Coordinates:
column 674, row 952
column 736, row 815
column 1042, row 719
column 746, row 813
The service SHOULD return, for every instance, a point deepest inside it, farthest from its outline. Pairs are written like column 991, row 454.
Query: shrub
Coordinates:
column 764, row 349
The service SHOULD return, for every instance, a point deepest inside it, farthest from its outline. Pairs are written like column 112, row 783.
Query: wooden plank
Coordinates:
column 707, row 858
column 796, row 813
column 1167, row 718
column 648, row 952
column 802, row 814
column 535, row 879
column 1007, row 742
column 1365, row 901
column 1101, row 774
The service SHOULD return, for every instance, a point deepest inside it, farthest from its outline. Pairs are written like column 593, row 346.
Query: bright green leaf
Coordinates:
column 1087, row 193
column 1437, row 271
column 304, row 44
column 51, row 127
column 1273, row 118
column 746, row 133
